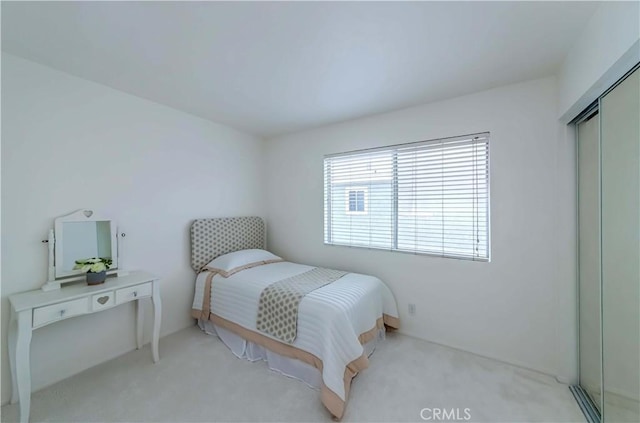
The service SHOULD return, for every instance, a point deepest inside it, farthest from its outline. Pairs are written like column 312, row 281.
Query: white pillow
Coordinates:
column 231, row 263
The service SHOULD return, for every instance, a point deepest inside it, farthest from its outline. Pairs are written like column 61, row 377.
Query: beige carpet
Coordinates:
column 198, row 379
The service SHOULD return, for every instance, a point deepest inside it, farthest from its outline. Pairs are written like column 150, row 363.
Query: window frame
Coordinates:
column 394, row 248
column 365, row 200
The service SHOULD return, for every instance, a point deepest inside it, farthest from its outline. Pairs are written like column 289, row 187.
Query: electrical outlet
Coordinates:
column 412, row 309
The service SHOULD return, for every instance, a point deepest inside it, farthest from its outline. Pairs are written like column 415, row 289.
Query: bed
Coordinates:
column 327, row 338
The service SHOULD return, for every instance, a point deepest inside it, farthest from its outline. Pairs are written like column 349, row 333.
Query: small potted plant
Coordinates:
column 95, row 268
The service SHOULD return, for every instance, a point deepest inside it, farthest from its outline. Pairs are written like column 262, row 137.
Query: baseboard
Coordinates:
column 487, row 356
column 564, row 380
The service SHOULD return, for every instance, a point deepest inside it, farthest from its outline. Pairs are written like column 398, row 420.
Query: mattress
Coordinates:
column 333, row 321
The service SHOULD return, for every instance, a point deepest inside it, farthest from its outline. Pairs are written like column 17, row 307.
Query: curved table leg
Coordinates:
column 23, row 370
column 139, row 323
column 157, row 318
column 13, row 328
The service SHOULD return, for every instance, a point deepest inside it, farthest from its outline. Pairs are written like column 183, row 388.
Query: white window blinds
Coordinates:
column 429, row 197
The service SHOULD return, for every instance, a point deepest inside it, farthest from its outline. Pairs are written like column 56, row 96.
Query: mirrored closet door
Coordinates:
column 609, row 254
column 590, row 348
column 620, row 157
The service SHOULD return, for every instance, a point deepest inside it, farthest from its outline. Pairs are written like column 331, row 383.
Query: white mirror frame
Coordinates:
column 57, row 276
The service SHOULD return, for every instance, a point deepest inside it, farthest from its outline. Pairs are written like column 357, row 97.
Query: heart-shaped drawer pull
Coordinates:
column 104, row 299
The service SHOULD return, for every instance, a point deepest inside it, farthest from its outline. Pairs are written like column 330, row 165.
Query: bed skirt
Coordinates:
column 288, row 366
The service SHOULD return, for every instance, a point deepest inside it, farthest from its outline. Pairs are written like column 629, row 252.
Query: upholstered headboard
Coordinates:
column 211, row 238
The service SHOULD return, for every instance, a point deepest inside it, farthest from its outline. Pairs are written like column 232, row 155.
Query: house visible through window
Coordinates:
column 356, row 200
column 429, row 197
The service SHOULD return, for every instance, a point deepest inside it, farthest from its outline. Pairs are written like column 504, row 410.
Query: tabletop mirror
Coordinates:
column 79, row 235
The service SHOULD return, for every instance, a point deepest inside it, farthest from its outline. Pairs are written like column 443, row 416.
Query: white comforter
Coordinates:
column 330, row 319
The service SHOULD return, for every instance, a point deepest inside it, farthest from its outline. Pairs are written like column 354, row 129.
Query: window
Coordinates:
column 428, row 197
column 356, row 200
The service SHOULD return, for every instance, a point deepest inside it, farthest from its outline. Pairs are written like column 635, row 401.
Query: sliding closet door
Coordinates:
column 620, row 149
column 589, row 256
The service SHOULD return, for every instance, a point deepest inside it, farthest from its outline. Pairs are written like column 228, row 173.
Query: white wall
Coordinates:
column 514, row 308
column 67, row 144
column 606, row 49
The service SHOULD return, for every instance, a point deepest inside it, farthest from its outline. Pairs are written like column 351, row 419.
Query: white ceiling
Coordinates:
column 273, row 67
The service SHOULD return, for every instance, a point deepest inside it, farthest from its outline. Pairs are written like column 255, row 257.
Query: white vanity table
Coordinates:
column 38, row 308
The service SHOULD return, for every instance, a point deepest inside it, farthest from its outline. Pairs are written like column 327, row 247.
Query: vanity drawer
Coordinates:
column 102, row 301
column 133, row 292
column 55, row 312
